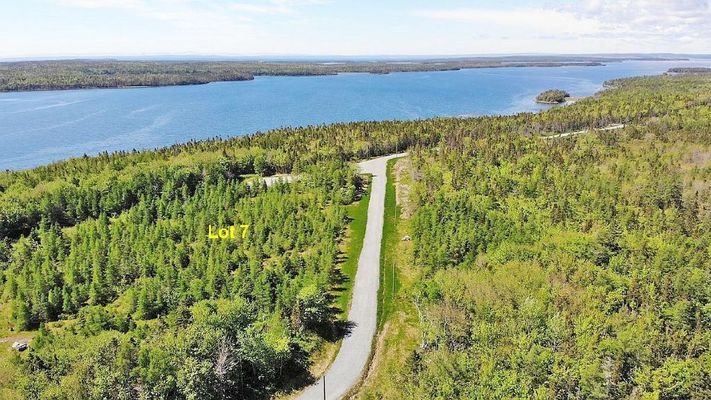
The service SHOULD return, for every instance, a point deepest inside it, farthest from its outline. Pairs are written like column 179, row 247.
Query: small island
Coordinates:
column 553, row 96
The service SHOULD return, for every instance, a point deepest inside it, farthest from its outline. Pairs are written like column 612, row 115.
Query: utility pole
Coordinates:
column 385, row 271
column 394, row 281
column 324, row 386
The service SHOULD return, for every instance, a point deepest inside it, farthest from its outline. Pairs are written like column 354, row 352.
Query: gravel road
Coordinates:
column 352, row 359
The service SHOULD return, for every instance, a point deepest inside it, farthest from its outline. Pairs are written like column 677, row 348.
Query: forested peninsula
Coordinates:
column 538, row 267
column 690, row 70
column 84, row 74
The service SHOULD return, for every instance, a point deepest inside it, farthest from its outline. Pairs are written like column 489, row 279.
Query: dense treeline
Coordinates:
column 574, row 268
column 690, row 70
column 58, row 75
column 81, row 74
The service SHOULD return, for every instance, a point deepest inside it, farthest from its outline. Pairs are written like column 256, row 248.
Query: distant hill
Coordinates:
column 111, row 73
column 690, row 70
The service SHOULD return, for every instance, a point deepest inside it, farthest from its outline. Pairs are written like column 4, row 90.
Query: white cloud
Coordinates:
column 646, row 20
column 531, row 20
column 257, row 7
column 232, row 27
column 260, row 8
column 273, row 6
column 639, row 18
column 129, row 4
column 194, row 14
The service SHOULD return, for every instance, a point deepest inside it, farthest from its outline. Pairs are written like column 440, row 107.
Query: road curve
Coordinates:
column 352, row 359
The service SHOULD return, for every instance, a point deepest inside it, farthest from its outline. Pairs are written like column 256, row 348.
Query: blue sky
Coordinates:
column 37, row 28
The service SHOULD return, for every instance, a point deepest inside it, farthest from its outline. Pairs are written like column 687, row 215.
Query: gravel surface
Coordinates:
column 352, row 359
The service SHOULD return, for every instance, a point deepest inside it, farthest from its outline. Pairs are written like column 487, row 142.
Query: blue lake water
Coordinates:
column 40, row 127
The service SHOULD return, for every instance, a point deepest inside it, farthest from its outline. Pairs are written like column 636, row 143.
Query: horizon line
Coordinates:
column 49, row 57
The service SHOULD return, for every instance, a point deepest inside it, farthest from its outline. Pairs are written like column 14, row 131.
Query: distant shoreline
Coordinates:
column 31, row 76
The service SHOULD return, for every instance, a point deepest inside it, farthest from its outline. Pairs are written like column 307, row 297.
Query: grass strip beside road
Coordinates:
column 358, row 215
column 398, row 326
column 389, row 282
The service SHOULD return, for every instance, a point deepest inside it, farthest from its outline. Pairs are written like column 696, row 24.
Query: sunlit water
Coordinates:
column 40, row 127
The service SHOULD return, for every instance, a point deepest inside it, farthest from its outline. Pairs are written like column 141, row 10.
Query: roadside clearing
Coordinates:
column 611, row 127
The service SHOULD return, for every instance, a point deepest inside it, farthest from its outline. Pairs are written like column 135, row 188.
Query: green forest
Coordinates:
column 571, row 268
column 83, row 74
column 576, row 267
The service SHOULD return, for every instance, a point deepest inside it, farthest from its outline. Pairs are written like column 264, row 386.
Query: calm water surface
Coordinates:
column 40, row 127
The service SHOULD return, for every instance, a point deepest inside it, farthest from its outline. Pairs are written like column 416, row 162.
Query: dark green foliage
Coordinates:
column 151, row 297
column 568, row 268
column 54, row 75
column 553, row 96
